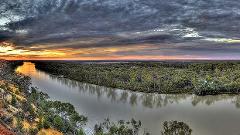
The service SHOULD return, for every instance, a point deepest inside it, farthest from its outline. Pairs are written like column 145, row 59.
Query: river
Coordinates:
column 207, row 115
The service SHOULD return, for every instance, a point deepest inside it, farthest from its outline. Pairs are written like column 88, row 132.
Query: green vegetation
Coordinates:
column 14, row 100
column 201, row 78
column 176, row 128
column 59, row 116
column 134, row 128
column 27, row 111
column 120, row 128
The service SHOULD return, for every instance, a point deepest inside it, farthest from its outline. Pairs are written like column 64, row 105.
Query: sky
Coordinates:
column 120, row 29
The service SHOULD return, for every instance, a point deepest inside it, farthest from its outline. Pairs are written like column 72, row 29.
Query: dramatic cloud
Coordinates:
column 135, row 29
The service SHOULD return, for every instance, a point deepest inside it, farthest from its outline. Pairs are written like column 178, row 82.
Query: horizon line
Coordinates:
column 122, row 60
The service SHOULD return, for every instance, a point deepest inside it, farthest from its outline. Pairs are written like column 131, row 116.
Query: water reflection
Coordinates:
column 28, row 69
column 149, row 100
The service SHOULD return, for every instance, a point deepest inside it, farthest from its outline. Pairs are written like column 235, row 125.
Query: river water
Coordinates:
column 208, row 115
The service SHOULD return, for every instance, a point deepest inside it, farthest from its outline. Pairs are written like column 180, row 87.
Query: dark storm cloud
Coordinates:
column 71, row 23
column 5, row 35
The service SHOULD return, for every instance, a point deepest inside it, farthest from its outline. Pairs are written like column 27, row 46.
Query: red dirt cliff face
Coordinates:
column 5, row 131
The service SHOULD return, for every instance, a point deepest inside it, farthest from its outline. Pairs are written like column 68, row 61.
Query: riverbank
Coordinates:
column 25, row 110
column 201, row 78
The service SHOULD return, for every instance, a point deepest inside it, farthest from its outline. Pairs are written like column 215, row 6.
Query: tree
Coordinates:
column 39, row 125
column 19, row 124
column 80, row 132
column 14, row 100
column 58, row 122
column 46, row 124
column 74, row 118
column 176, row 128
column 33, row 131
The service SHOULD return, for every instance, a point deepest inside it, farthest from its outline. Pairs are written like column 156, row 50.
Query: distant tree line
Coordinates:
column 201, row 78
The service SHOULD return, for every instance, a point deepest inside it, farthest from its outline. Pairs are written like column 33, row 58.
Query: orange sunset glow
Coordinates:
column 9, row 51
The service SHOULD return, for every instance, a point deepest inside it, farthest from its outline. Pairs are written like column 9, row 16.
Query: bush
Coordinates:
column 208, row 86
column 176, row 128
column 14, row 100
column 33, row 131
column 58, row 122
column 46, row 124
column 80, row 132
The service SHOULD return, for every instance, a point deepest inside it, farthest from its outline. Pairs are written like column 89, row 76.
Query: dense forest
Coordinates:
column 201, row 78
